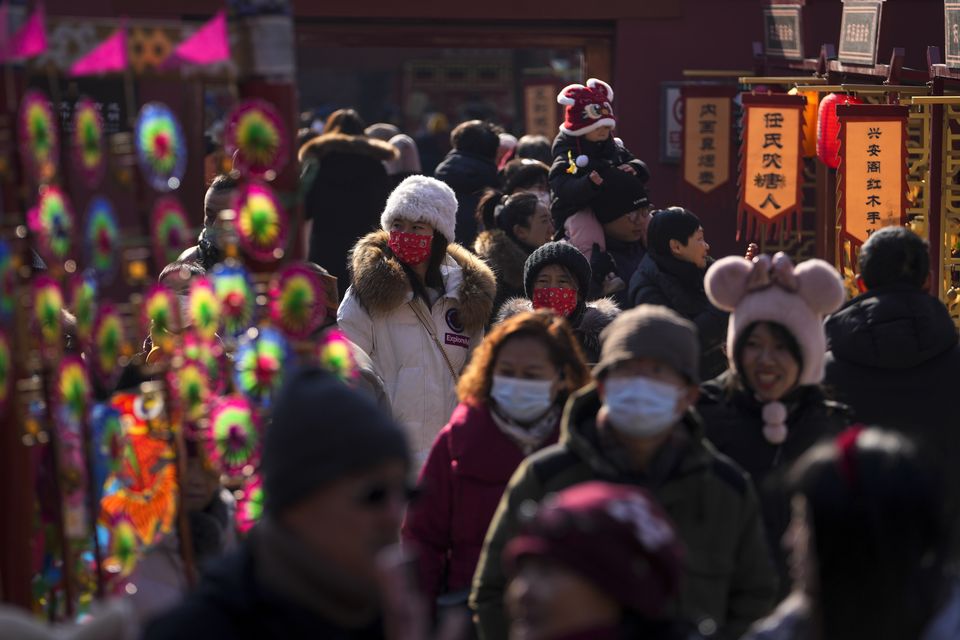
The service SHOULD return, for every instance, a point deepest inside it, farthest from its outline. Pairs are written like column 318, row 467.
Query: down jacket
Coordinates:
column 506, row 258
column 375, row 315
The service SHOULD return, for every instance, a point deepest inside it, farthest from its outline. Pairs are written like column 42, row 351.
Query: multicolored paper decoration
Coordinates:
column 258, row 366
column 72, row 391
column 39, row 138
column 88, row 147
column 298, row 302
column 204, row 308
column 6, row 369
column 234, row 290
column 335, row 354
column 250, row 505
column 47, row 305
column 256, row 131
column 191, row 386
column 123, row 546
column 83, row 305
column 210, row 354
column 233, row 445
column 169, row 230
column 101, row 237
column 161, row 147
column 161, row 316
column 261, row 222
column 108, row 444
column 108, row 343
column 7, row 282
column 51, row 221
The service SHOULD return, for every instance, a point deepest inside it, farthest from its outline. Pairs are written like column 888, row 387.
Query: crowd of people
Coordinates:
column 573, row 423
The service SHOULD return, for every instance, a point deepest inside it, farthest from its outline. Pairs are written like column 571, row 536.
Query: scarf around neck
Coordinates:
column 528, row 437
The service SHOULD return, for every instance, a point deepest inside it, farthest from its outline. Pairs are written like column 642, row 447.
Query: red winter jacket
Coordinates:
column 468, row 468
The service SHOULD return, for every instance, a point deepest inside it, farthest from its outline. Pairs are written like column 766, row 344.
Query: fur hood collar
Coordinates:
column 503, row 255
column 598, row 315
column 381, row 284
column 342, row 143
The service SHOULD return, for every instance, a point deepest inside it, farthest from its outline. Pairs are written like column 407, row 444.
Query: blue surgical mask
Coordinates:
column 522, row 400
column 642, row 407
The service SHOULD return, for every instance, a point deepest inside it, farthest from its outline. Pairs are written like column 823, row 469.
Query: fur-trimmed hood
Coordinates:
column 595, row 318
column 381, row 284
column 342, row 143
column 504, row 256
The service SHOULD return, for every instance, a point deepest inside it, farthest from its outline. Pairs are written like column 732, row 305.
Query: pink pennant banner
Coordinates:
column 108, row 56
column 209, row 45
column 31, row 39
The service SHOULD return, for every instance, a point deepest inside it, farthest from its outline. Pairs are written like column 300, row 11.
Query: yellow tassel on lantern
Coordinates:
column 809, row 121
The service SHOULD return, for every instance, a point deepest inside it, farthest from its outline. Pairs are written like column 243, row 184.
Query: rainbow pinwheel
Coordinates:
column 250, row 505
column 256, row 132
column 83, row 304
column 88, row 151
column 191, row 387
column 298, row 302
column 335, row 354
column 161, row 316
column 208, row 353
column 161, row 147
column 169, row 230
column 233, row 443
column 123, row 546
column 7, row 281
column 6, row 369
column 108, row 342
column 72, row 391
column 101, row 237
column 235, row 293
column 204, row 308
column 47, row 305
column 51, row 221
column 258, row 366
column 39, row 140
column 261, row 222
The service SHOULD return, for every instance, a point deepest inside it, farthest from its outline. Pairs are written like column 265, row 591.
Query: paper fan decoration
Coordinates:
column 108, row 343
column 83, row 305
column 39, row 139
column 298, row 302
column 261, row 222
column 72, row 391
column 250, row 505
column 88, row 148
column 161, row 316
column 51, row 221
column 258, row 366
column 47, row 305
column 123, row 545
column 256, row 133
column 7, row 282
column 191, row 386
column 169, row 230
column 235, row 293
column 161, row 147
column 208, row 353
column 101, row 237
column 335, row 353
column 234, row 436
column 6, row 369
column 204, row 308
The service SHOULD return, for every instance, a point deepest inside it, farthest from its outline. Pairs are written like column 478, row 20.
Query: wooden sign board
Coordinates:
column 952, row 36
column 860, row 31
column 540, row 110
column 783, row 31
column 706, row 137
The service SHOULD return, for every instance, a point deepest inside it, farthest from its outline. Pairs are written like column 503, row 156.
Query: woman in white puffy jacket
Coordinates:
column 417, row 304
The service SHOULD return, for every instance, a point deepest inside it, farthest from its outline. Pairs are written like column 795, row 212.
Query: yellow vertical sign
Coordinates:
column 771, row 161
column 706, row 145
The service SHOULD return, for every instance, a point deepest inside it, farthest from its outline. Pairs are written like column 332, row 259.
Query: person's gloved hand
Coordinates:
column 601, row 264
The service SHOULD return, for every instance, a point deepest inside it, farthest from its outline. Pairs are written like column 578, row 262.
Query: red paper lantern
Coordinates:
column 828, row 128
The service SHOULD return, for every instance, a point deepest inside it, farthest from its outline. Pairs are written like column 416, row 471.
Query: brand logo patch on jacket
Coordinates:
column 453, row 321
column 457, row 340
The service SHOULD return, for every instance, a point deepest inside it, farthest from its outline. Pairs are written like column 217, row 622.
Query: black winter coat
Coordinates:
column 350, row 187
column 587, row 327
column 506, row 259
column 468, row 175
column 734, row 424
column 672, row 283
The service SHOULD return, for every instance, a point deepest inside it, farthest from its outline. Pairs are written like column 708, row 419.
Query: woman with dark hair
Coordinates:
column 867, row 541
column 347, row 187
column 769, row 407
column 511, row 396
column 417, row 305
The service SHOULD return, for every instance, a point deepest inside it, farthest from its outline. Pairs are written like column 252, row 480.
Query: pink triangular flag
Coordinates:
column 31, row 39
column 208, row 45
column 110, row 55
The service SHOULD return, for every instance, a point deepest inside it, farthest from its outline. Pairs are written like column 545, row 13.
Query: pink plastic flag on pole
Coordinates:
column 108, row 56
column 209, row 45
column 31, row 39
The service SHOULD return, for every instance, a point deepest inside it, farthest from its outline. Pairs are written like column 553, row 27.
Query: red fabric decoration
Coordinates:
column 828, row 128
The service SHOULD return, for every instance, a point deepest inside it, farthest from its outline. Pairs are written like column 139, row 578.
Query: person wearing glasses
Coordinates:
column 512, row 395
column 335, row 488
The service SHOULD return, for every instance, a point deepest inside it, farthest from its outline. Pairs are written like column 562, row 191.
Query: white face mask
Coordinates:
column 522, row 400
column 639, row 406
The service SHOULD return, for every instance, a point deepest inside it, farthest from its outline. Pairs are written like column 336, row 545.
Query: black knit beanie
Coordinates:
column 619, row 194
column 565, row 255
column 322, row 431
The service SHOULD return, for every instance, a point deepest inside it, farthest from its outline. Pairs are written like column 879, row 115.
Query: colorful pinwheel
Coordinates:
column 204, row 308
column 72, row 391
column 39, row 140
column 7, row 281
column 169, row 229
column 261, row 222
column 83, row 304
column 258, row 366
column 298, row 302
column 235, row 293
column 208, row 353
column 192, row 389
column 233, row 442
column 108, row 342
column 101, row 237
column 161, row 316
column 6, row 369
column 250, row 505
column 88, row 150
column 52, row 222
column 123, row 546
column 161, row 147
column 47, row 305
column 335, row 353
column 257, row 133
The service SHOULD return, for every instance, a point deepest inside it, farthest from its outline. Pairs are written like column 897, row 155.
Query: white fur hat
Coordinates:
column 423, row 199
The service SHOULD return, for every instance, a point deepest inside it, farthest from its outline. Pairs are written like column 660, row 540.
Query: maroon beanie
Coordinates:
column 615, row 536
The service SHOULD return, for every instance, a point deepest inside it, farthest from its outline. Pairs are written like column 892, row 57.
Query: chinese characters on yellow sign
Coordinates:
column 706, row 145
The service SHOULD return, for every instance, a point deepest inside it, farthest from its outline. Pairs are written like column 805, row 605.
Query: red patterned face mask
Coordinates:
column 411, row 248
column 561, row 301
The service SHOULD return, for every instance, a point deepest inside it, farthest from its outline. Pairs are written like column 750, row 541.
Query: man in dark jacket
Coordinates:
column 635, row 427
column 335, row 490
column 469, row 168
column 893, row 354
